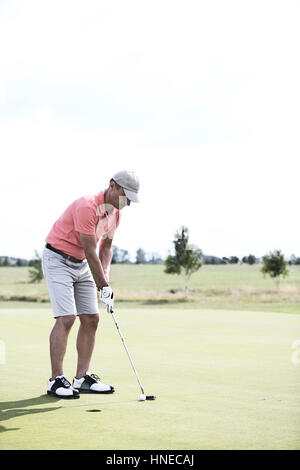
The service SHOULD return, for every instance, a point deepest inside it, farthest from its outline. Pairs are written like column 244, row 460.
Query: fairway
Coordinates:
column 231, row 287
column 224, row 380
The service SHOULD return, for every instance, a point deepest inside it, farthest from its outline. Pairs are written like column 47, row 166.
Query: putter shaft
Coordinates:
column 128, row 354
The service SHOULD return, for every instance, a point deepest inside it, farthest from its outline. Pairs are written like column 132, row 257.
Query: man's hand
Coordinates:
column 107, row 297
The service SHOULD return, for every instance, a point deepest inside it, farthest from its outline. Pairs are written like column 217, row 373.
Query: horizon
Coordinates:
column 224, row 259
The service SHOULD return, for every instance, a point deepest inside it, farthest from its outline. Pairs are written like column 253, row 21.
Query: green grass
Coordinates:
column 224, row 380
column 239, row 287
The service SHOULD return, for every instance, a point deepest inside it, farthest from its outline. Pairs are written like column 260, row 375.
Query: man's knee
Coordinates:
column 89, row 321
column 66, row 322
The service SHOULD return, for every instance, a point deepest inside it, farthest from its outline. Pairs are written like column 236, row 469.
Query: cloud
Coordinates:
column 200, row 98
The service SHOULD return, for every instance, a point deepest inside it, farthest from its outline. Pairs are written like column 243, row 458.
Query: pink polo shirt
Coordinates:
column 85, row 215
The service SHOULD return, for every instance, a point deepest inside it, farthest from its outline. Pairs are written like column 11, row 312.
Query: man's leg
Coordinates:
column 60, row 282
column 58, row 343
column 85, row 382
column 88, row 311
column 86, row 342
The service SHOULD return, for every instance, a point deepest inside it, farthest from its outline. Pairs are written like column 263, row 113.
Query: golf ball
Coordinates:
column 142, row 397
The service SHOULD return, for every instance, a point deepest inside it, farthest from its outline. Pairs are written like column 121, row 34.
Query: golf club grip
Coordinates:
column 128, row 354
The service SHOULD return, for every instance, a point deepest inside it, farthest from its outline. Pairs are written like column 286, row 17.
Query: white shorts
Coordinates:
column 71, row 286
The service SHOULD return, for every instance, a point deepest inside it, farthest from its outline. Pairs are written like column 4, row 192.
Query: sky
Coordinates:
column 200, row 98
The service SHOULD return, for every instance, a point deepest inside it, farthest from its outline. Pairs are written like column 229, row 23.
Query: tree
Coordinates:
column 6, row 261
column 274, row 264
column 140, row 256
column 187, row 259
column 119, row 256
column 249, row 259
column 294, row 260
column 35, row 270
column 115, row 255
column 155, row 258
column 124, row 256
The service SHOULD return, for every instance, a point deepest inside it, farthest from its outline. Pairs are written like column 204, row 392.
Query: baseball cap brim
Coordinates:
column 131, row 195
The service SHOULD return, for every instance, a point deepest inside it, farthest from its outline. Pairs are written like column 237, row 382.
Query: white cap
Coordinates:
column 129, row 182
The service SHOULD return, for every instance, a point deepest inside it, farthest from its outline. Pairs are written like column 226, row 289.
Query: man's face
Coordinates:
column 117, row 197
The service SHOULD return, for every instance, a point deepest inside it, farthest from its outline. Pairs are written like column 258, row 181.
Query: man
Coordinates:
column 74, row 271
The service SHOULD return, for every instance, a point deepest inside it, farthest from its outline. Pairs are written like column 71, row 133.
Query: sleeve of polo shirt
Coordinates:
column 85, row 220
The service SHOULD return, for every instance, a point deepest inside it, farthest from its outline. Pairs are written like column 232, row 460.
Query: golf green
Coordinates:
column 223, row 379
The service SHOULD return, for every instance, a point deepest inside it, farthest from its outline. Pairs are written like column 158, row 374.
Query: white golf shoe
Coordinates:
column 60, row 387
column 91, row 383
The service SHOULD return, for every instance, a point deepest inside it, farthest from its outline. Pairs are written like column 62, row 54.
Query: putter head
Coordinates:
column 150, row 397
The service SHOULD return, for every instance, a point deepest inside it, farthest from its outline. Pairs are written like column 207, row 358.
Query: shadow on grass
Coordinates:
column 13, row 409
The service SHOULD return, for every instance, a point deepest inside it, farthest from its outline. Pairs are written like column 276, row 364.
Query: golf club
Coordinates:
column 142, row 397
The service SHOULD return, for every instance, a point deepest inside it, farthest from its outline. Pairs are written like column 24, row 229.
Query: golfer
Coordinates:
column 75, row 271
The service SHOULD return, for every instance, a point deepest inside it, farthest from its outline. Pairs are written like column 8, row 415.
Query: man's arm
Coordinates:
column 105, row 255
column 89, row 244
